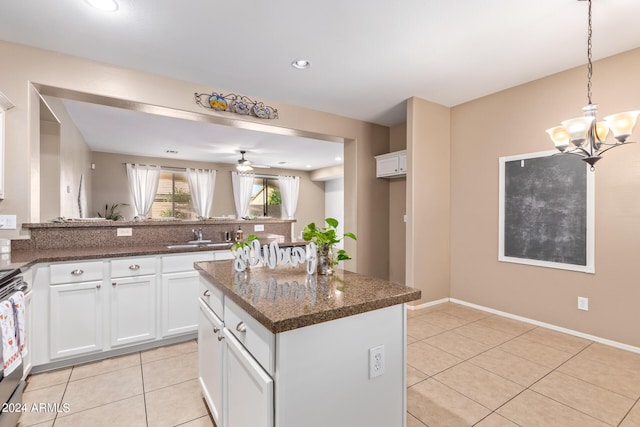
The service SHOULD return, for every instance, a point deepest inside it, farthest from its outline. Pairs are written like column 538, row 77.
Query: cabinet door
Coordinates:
column 387, row 166
column 133, row 310
column 180, row 303
column 210, row 360
column 246, row 385
column 402, row 163
column 75, row 323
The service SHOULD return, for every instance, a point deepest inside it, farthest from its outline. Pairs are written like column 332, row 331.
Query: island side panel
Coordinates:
column 322, row 372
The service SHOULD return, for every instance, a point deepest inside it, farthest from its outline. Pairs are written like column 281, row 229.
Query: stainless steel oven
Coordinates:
column 12, row 385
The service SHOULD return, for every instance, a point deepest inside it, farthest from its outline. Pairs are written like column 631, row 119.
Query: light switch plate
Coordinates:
column 125, row 232
column 258, row 227
column 7, row 222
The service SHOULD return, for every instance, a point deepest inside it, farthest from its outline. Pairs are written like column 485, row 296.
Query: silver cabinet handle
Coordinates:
column 77, row 272
column 241, row 327
column 98, row 286
column 220, row 337
column 134, row 267
column 206, row 293
column 216, row 330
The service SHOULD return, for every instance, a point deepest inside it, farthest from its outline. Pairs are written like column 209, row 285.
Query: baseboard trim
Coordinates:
column 600, row 340
column 427, row 304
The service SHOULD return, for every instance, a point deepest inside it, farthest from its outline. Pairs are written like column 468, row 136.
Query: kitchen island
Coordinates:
column 286, row 349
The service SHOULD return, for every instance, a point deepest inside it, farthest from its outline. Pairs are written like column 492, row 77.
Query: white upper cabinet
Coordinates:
column 391, row 164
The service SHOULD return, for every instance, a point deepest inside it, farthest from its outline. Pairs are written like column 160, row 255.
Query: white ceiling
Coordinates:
column 116, row 130
column 367, row 57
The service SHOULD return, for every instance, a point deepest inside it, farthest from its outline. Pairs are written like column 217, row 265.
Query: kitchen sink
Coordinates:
column 198, row 245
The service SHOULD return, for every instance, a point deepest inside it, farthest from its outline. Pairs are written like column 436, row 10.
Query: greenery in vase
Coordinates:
column 327, row 237
column 112, row 212
column 246, row 243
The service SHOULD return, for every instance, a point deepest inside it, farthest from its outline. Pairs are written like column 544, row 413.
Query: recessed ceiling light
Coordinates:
column 301, row 64
column 105, row 5
column 338, row 159
column 283, row 163
column 171, row 152
column 308, row 166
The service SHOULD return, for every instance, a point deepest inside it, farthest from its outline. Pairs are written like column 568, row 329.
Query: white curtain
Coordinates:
column 201, row 185
column 242, row 187
column 143, row 183
column 289, row 187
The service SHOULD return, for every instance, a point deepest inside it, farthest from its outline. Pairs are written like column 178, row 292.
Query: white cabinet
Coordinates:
column 246, row 385
column 210, row 360
column 179, row 300
column 391, row 164
column 133, row 310
column 75, row 321
column 179, row 303
column 133, row 300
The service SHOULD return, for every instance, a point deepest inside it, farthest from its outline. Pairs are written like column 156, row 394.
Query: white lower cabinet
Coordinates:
column 211, row 360
column 179, row 302
column 133, row 310
column 246, row 385
column 75, row 321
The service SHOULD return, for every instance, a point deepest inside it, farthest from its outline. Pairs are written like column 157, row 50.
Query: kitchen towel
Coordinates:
column 10, row 352
column 17, row 301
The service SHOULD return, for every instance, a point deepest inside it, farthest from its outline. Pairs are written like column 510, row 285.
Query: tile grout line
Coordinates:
column 637, row 402
column 144, row 393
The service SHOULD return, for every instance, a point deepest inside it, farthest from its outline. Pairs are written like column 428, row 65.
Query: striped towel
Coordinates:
column 17, row 301
column 10, row 352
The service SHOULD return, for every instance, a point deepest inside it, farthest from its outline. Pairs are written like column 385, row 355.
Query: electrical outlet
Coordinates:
column 583, row 303
column 258, row 227
column 376, row 361
column 124, row 232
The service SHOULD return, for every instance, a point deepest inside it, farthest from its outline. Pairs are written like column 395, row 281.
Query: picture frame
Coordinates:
column 546, row 211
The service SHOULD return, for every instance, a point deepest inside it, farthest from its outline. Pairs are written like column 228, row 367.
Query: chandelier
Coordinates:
column 583, row 136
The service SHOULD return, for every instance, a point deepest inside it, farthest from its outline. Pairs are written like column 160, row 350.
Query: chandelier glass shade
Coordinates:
column 584, row 136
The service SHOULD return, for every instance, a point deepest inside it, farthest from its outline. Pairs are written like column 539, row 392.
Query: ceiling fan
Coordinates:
column 245, row 165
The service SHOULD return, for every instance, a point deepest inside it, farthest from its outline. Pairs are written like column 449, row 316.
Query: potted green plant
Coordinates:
column 246, row 243
column 112, row 212
column 325, row 239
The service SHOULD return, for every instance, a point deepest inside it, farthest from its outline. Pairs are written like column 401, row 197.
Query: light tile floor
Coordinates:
column 152, row 388
column 465, row 368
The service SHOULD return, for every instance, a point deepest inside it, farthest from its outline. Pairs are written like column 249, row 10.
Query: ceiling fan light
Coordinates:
column 578, row 128
column 559, row 136
column 243, row 168
column 622, row 124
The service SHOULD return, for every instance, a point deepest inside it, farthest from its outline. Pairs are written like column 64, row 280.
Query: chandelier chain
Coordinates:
column 589, row 64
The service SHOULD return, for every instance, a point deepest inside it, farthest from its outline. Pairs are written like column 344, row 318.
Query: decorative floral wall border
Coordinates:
column 238, row 104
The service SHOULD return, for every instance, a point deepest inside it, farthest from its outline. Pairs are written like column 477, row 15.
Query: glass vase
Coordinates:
column 325, row 260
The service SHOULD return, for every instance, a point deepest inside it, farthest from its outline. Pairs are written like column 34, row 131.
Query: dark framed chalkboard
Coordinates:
column 546, row 215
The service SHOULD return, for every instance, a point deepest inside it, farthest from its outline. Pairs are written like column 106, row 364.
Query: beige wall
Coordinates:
column 397, row 210
column 75, row 160
column 110, row 186
column 55, row 74
column 428, row 197
column 513, row 122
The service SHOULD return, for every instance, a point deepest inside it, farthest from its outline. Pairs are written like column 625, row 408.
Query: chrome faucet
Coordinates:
column 197, row 233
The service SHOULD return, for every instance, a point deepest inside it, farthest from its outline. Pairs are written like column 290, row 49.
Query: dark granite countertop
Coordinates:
column 287, row 298
column 26, row 258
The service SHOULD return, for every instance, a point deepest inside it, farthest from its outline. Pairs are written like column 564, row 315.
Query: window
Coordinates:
column 173, row 199
column 265, row 198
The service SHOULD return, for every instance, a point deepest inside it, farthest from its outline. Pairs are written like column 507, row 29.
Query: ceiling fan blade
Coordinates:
column 261, row 166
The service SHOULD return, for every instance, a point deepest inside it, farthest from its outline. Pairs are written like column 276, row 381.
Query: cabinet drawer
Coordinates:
column 211, row 296
column 184, row 262
column 74, row 272
column 256, row 338
column 128, row 267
